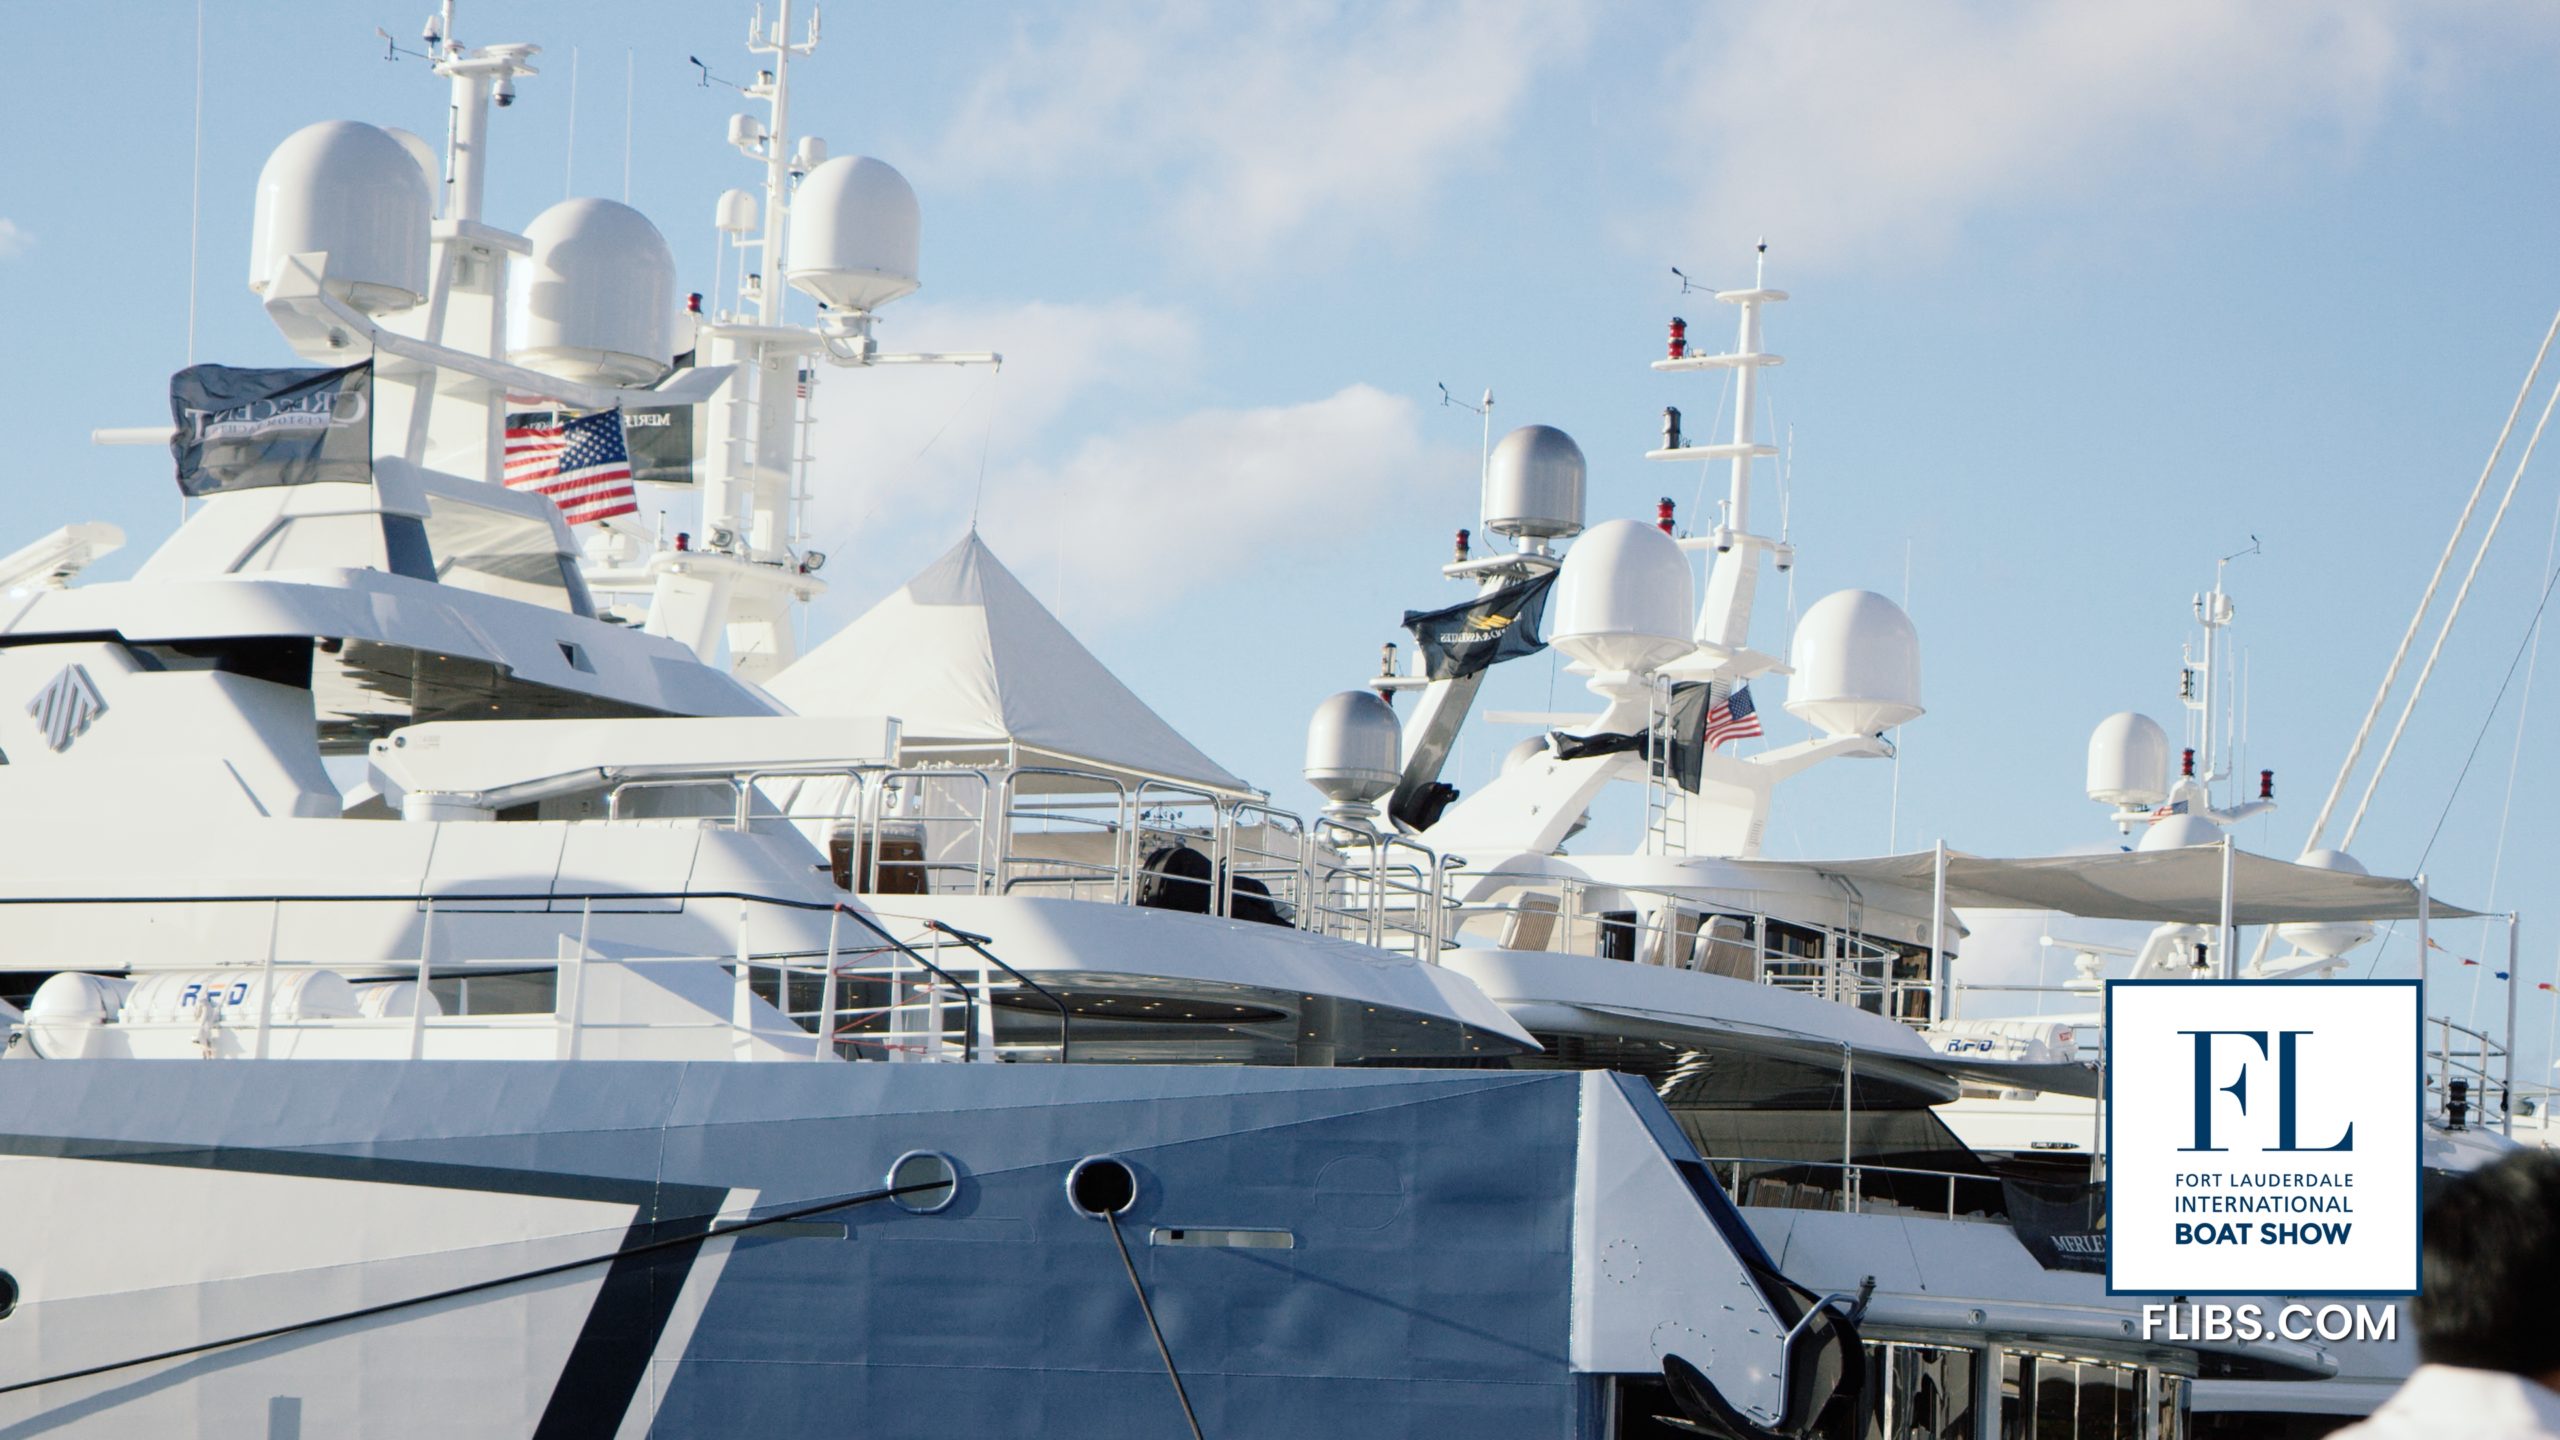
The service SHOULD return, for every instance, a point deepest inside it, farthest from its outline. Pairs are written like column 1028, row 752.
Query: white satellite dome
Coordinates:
column 1355, row 748
column 2332, row 939
column 2128, row 761
column 1856, row 660
column 1533, row 485
column 597, row 300
column 2179, row 832
column 425, row 154
column 356, row 192
column 854, row 230
column 1623, row 598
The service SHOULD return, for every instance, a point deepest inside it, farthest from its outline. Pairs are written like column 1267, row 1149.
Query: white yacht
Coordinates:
column 584, row 847
column 2187, row 797
column 547, row 1097
column 1795, row 1014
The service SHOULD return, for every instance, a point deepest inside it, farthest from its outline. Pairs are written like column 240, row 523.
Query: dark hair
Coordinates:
column 2492, row 1265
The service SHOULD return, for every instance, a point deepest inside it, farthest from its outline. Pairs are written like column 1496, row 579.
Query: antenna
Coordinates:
column 1484, row 461
column 391, row 51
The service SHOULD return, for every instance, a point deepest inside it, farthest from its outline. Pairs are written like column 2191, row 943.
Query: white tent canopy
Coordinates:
column 963, row 656
column 2162, row 886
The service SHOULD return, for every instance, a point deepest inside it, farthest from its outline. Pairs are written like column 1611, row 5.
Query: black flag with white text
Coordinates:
column 239, row 429
column 1466, row 639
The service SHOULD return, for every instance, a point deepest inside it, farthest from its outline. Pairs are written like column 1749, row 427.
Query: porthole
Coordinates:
column 8, row 1293
column 1100, row 1185
column 923, row 1181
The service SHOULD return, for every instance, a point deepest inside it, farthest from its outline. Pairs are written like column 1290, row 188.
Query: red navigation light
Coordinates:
column 1679, row 337
column 1662, row 514
column 2187, row 766
column 693, row 303
column 2266, row 784
column 684, row 542
column 1463, row 538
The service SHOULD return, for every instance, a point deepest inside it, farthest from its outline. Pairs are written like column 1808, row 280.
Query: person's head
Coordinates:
column 2492, row 1266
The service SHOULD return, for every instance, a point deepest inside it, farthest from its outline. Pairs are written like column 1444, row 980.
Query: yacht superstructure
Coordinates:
column 561, row 1084
column 594, row 840
column 1688, row 958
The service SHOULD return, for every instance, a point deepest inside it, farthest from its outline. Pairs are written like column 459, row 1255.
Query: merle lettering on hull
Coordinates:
column 240, row 429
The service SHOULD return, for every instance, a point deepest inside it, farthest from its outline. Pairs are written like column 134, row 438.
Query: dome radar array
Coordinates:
column 365, row 245
column 1627, row 606
column 2129, row 772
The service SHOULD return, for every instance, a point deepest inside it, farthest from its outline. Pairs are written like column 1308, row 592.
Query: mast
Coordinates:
column 1724, row 618
column 776, row 86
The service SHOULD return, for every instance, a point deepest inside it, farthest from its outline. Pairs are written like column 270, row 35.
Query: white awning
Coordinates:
column 2181, row 887
column 978, row 671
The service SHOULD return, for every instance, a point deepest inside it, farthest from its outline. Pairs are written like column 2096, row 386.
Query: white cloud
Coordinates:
column 1265, row 124
column 1139, row 518
column 1092, row 462
column 14, row 239
column 1853, row 130
column 903, row 444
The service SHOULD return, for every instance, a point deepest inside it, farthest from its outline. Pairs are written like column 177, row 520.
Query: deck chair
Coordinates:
column 1531, row 925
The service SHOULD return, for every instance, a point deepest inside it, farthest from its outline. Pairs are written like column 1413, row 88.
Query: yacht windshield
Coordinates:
column 498, row 552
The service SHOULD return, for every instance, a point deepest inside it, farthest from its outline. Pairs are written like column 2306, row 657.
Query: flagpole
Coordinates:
column 2507, row 1096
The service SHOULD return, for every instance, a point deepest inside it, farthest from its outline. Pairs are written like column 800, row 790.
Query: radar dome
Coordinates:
column 2129, row 761
column 2330, row 940
column 1857, row 665
column 2179, row 832
column 354, row 191
column 853, row 237
column 1623, row 598
column 597, row 301
column 1355, row 748
column 1533, row 484
column 425, row 154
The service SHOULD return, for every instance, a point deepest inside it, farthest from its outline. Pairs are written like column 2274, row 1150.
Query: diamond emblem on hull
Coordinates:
column 67, row 706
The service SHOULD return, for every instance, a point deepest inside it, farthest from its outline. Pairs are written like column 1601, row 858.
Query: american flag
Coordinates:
column 1733, row 718
column 580, row 463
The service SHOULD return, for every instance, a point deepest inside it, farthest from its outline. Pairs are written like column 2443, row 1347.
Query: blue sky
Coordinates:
column 2086, row 296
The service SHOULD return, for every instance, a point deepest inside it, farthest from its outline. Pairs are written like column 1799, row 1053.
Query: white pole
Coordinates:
column 2507, row 1089
column 742, row 1014
column 1938, row 936
column 1746, row 385
column 2422, row 928
column 418, row 1002
column 777, row 173
column 1848, row 1128
column 826, row 1049
column 2230, row 934
column 466, row 145
column 267, row 977
column 577, row 1006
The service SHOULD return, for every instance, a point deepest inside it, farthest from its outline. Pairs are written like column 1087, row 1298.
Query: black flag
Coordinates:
column 240, row 429
column 1583, row 747
column 1682, row 753
column 1465, row 639
column 1677, row 743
